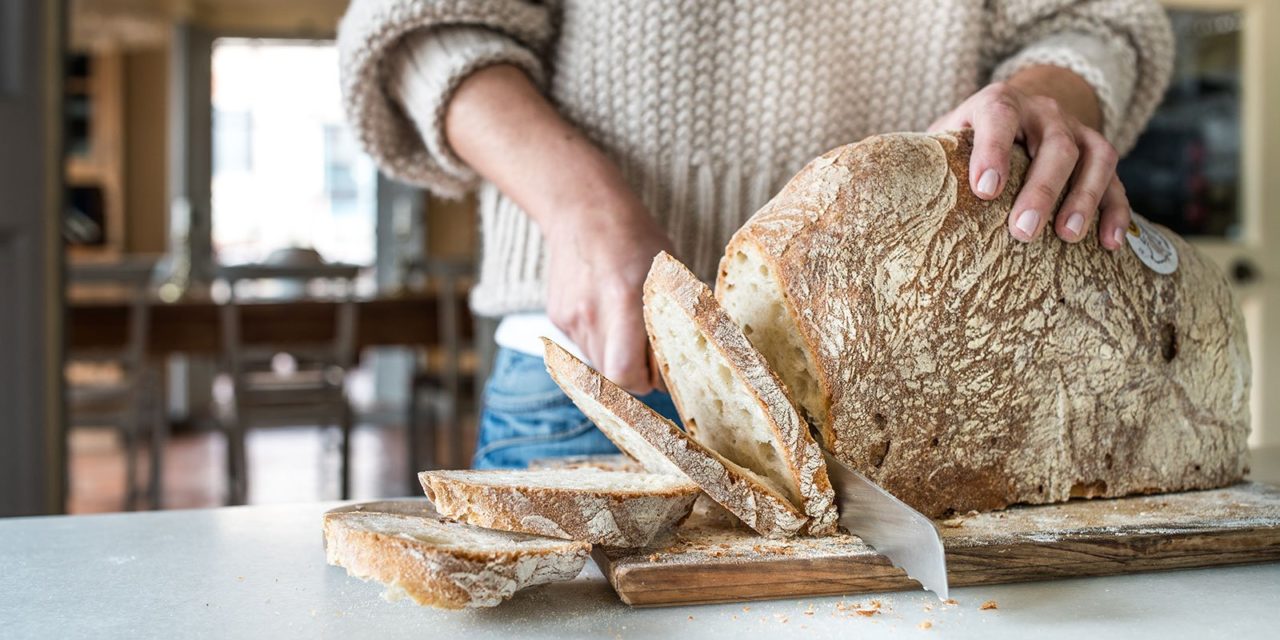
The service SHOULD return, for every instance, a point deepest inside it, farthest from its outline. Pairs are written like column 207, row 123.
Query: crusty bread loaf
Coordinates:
column 728, row 396
column 614, row 508
column 961, row 369
column 446, row 564
column 661, row 446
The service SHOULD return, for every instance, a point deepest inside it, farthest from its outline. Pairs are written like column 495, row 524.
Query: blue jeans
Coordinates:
column 526, row 416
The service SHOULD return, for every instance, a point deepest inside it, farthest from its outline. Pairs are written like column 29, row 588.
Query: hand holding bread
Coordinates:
column 1057, row 116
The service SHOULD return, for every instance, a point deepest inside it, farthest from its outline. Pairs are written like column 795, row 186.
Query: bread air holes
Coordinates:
column 879, row 420
column 1169, row 342
column 1089, row 489
column 880, row 453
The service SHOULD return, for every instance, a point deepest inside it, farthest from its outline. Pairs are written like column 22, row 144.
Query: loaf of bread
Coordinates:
column 663, row 448
column 444, row 564
column 961, row 369
column 614, row 508
column 728, row 396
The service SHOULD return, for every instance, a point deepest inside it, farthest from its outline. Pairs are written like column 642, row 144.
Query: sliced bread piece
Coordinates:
column 614, row 508
column 661, row 446
column 729, row 397
column 601, row 461
column 444, row 564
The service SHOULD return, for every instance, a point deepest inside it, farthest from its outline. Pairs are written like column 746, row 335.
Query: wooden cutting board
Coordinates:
column 708, row 560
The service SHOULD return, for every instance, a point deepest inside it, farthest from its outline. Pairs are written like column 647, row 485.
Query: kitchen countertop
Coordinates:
column 260, row 572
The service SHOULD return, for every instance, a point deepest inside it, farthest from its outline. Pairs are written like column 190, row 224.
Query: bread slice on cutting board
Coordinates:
column 614, row 508
column 445, row 564
column 961, row 369
column 729, row 397
column 663, row 448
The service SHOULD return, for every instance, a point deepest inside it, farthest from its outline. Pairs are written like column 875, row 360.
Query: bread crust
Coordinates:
column 615, row 517
column 800, row 453
column 442, row 576
column 962, row 370
column 757, row 505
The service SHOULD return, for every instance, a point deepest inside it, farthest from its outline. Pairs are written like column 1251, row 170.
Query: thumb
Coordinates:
column 626, row 359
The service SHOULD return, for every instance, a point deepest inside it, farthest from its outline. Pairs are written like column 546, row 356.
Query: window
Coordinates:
column 286, row 170
column 1185, row 170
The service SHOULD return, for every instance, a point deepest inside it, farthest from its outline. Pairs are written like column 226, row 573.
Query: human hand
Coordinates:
column 1055, row 113
column 599, row 238
column 597, row 260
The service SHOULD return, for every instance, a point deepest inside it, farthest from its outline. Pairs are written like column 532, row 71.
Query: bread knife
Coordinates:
column 903, row 535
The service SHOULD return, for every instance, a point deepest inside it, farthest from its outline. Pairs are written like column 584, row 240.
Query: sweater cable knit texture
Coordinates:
column 709, row 106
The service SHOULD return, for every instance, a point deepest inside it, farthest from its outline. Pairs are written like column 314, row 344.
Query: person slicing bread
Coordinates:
column 599, row 134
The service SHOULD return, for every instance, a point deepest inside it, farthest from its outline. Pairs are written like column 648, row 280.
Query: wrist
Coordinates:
column 1073, row 94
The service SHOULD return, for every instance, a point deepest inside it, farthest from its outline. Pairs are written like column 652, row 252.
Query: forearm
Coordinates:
column 499, row 124
column 1071, row 92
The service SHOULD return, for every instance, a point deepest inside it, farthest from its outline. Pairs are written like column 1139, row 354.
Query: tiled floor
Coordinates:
column 292, row 464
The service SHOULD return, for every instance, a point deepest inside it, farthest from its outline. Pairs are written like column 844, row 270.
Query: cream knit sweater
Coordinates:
column 709, row 106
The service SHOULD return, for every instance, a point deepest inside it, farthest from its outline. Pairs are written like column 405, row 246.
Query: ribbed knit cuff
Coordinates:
column 369, row 37
column 424, row 71
column 1108, row 68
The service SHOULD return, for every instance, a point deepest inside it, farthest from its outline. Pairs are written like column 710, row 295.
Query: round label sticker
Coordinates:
column 1150, row 245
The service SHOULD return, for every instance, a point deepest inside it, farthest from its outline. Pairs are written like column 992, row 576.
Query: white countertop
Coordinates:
column 252, row 572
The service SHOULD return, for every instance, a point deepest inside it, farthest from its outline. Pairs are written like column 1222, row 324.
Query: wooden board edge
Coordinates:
column 645, row 585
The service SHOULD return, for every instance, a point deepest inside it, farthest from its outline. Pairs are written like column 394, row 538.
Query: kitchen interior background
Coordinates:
column 241, row 283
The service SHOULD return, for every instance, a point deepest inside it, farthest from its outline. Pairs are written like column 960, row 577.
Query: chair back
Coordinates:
column 300, row 283
column 132, row 280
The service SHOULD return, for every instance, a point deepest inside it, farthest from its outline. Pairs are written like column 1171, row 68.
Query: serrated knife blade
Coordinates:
column 903, row 535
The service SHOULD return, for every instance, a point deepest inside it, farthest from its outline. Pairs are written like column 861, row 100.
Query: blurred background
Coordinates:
column 213, row 289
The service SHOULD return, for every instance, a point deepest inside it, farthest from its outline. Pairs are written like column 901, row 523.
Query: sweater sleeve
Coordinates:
column 400, row 62
column 1122, row 48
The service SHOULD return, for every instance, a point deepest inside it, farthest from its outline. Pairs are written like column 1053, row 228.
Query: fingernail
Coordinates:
column 1075, row 223
column 1119, row 236
column 1027, row 222
column 987, row 183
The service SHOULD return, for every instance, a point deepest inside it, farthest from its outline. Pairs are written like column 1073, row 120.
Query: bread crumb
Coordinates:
column 653, row 557
column 928, row 607
column 809, row 611
column 866, row 613
column 990, row 604
column 951, row 601
column 690, row 617
column 746, row 609
column 925, row 625
column 780, row 617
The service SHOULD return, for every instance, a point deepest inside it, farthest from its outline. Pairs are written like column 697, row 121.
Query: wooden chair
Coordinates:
column 122, row 390
column 313, row 391
column 438, row 384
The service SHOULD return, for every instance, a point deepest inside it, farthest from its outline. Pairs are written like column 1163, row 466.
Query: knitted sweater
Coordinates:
column 709, row 106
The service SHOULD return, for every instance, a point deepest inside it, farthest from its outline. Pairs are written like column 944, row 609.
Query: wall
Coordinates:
column 453, row 228
column 146, row 122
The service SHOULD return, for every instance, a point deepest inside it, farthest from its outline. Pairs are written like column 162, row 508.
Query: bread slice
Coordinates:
column 446, row 564
column 729, row 397
column 961, row 369
column 614, row 508
column 601, row 461
column 662, row 447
